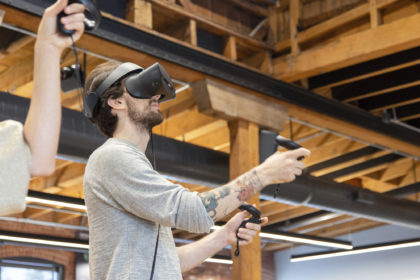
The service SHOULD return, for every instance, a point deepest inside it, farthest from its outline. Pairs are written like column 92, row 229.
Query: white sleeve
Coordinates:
column 15, row 161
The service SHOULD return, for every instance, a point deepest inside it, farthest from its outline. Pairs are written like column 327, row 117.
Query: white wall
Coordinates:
column 399, row 264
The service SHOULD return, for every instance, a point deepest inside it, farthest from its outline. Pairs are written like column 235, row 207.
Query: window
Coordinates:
column 21, row 268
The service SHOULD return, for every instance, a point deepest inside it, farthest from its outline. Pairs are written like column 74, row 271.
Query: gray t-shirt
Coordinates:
column 126, row 200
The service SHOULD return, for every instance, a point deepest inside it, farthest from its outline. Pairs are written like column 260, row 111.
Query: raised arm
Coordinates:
column 278, row 168
column 193, row 254
column 42, row 125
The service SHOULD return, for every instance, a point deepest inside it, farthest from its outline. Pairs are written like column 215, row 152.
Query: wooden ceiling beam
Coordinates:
column 290, row 212
column 350, row 50
column 106, row 48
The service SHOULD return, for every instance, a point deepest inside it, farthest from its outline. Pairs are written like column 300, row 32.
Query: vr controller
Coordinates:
column 288, row 144
column 92, row 20
column 255, row 219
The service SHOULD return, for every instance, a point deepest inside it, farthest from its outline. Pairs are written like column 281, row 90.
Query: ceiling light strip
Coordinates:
column 44, row 242
column 55, row 203
column 358, row 250
column 215, row 260
column 304, row 239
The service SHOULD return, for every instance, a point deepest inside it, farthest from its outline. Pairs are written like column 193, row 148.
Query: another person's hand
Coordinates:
column 48, row 34
column 247, row 234
column 282, row 167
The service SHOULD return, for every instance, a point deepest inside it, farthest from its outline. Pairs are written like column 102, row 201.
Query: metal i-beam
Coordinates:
column 175, row 159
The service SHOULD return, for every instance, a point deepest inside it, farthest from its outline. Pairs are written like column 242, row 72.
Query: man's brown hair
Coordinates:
column 102, row 115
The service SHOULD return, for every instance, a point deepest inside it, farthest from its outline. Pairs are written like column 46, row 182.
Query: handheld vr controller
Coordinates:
column 92, row 20
column 255, row 219
column 288, row 144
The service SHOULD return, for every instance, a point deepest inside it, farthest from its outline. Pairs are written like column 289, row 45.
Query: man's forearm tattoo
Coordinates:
column 248, row 185
column 211, row 199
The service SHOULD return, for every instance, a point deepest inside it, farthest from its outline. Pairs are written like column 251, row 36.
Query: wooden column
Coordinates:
column 244, row 155
column 140, row 12
column 230, row 48
column 375, row 16
column 193, row 32
column 294, row 24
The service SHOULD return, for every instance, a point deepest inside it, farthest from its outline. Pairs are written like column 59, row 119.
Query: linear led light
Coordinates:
column 304, row 239
column 29, row 239
column 55, row 203
column 358, row 250
column 216, row 260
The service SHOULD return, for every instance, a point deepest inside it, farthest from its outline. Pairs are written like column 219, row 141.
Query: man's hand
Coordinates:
column 48, row 33
column 282, row 167
column 247, row 233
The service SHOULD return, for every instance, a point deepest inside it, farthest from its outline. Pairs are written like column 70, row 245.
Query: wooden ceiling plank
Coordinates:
column 217, row 139
column 412, row 176
column 351, row 49
column 349, row 163
column 383, row 91
column 331, row 151
column 365, row 76
column 290, row 213
column 203, row 130
column 182, row 123
column 375, row 185
column 397, row 169
column 395, row 105
column 412, row 117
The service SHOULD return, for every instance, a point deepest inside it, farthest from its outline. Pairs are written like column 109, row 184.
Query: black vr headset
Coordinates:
column 141, row 83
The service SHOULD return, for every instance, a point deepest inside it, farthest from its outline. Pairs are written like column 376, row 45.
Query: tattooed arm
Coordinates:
column 278, row 168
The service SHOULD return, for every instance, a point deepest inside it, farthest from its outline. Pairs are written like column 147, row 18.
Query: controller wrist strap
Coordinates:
column 237, row 244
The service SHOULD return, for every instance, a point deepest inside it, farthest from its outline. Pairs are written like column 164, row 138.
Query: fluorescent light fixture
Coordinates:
column 217, row 260
column 304, row 239
column 55, row 203
column 41, row 240
column 358, row 250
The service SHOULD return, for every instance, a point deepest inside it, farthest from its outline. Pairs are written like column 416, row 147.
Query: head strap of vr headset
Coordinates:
column 121, row 72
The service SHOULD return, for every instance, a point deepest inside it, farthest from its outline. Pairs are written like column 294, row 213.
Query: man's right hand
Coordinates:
column 282, row 167
column 48, row 35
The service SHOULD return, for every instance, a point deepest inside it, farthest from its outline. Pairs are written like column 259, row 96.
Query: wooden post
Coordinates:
column 193, row 32
column 140, row 12
column 294, row 24
column 230, row 48
column 244, row 155
column 375, row 16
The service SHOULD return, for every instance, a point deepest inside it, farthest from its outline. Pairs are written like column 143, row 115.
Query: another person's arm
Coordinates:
column 42, row 125
column 278, row 168
column 191, row 255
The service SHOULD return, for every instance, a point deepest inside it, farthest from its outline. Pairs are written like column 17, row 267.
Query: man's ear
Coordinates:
column 116, row 103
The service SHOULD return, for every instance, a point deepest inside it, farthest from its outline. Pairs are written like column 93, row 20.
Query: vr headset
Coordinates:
column 141, row 83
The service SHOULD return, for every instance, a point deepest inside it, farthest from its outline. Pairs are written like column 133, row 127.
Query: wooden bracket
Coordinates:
column 228, row 103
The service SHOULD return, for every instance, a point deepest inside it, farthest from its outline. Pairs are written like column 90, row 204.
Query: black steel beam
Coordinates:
column 347, row 199
column 79, row 138
column 343, row 158
column 362, row 166
column 152, row 44
column 376, row 83
column 364, row 68
column 390, row 98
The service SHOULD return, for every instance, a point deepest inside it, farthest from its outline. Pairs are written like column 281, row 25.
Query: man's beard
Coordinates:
column 146, row 119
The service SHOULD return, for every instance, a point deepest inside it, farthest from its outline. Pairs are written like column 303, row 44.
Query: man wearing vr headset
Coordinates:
column 132, row 208
column 30, row 150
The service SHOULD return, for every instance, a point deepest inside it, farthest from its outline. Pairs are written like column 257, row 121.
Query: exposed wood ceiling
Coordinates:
column 354, row 52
